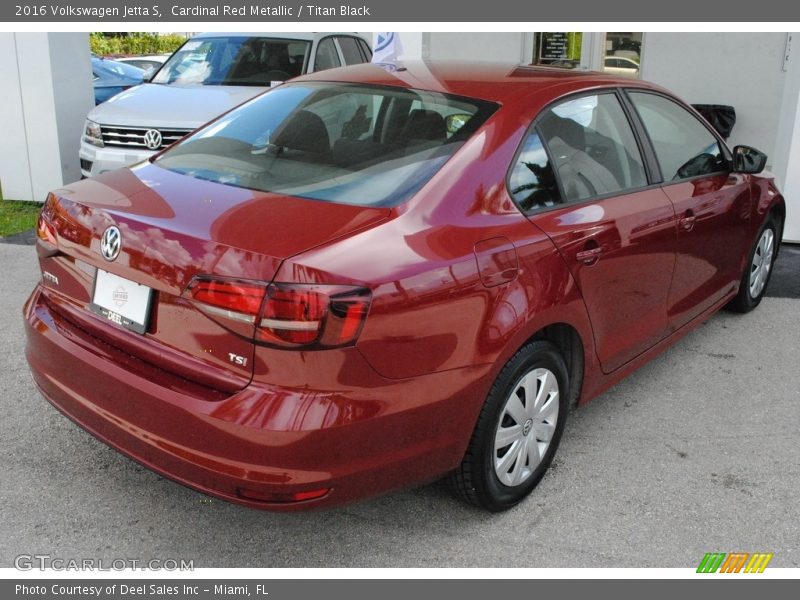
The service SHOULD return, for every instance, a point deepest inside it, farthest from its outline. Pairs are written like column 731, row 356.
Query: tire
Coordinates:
column 499, row 477
column 758, row 269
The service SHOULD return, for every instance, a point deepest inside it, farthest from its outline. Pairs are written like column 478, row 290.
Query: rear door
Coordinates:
column 581, row 178
column 712, row 205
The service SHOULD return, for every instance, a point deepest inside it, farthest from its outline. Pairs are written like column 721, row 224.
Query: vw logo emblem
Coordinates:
column 110, row 243
column 152, row 139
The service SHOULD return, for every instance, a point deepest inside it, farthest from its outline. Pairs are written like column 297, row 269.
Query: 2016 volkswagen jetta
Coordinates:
column 376, row 276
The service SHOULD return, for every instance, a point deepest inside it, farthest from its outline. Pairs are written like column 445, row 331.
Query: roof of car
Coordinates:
column 485, row 80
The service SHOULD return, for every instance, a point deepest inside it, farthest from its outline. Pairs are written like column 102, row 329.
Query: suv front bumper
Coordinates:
column 95, row 161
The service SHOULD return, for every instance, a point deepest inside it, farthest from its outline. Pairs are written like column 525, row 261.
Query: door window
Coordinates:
column 532, row 182
column 365, row 49
column 327, row 57
column 684, row 146
column 592, row 147
column 352, row 55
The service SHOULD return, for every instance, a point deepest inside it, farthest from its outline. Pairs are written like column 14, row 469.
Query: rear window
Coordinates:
column 345, row 143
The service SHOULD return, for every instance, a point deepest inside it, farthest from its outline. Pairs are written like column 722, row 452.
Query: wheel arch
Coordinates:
column 778, row 211
column 568, row 340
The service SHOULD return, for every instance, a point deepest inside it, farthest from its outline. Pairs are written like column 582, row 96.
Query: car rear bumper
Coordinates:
column 95, row 161
column 415, row 430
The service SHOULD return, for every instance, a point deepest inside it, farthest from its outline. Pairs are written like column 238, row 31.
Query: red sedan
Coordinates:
column 376, row 276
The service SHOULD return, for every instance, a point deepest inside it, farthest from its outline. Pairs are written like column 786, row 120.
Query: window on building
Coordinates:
column 623, row 53
column 558, row 49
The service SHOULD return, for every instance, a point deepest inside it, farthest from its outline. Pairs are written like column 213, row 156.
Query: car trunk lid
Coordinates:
column 174, row 228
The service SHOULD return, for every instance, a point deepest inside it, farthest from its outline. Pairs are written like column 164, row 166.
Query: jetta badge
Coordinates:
column 152, row 139
column 110, row 243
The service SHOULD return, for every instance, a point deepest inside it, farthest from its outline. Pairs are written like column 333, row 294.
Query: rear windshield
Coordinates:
column 235, row 60
column 345, row 143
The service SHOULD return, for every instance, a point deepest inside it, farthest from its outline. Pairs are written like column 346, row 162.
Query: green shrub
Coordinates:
column 134, row 43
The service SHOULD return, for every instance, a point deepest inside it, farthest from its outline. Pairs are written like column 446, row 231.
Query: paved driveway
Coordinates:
column 698, row 451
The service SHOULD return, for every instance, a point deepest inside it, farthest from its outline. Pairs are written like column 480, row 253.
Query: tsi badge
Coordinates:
column 237, row 360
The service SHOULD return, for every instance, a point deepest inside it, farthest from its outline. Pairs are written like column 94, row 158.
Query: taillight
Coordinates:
column 235, row 303
column 287, row 315
column 45, row 230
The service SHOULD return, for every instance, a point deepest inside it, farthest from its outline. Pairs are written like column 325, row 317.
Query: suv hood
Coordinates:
column 170, row 106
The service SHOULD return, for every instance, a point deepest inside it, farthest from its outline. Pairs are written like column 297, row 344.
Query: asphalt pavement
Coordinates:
column 699, row 451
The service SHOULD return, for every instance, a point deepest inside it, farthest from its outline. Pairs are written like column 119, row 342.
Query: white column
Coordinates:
column 786, row 162
column 47, row 80
column 593, row 50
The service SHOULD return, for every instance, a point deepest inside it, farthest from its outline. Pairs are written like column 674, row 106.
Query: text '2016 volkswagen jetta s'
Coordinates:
column 376, row 276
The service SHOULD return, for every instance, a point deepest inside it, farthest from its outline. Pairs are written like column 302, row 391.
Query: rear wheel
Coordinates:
column 759, row 268
column 518, row 430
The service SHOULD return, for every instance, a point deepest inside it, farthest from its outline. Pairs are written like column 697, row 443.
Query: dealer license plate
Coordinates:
column 121, row 301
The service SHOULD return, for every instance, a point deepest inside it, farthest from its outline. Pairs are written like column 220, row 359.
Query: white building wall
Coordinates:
column 740, row 69
column 496, row 46
column 48, row 79
column 787, row 147
column 745, row 70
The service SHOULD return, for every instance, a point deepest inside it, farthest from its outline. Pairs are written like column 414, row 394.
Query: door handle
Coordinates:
column 687, row 222
column 589, row 256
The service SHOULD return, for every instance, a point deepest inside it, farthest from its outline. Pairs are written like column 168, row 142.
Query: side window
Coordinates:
column 352, row 55
column 327, row 57
column 365, row 49
column 532, row 182
column 593, row 149
column 684, row 146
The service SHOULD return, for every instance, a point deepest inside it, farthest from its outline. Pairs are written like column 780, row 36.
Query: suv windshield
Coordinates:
column 347, row 143
column 235, row 60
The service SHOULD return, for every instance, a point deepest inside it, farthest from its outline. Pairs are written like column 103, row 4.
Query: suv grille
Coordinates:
column 135, row 137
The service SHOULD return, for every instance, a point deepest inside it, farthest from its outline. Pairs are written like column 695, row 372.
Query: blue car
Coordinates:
column 112, row 77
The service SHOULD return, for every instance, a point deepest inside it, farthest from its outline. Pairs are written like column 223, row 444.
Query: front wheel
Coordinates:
column 759, row 268
column 518, row 430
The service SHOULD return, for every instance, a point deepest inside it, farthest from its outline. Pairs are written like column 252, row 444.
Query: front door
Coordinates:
column 581, row 179
column 712, row 205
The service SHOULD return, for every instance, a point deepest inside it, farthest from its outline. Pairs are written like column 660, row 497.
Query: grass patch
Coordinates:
column 17, row 216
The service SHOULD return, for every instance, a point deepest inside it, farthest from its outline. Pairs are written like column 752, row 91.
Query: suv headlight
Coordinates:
column 92, row 134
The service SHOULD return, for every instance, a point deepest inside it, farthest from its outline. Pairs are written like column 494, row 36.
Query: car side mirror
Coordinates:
column 748, row 160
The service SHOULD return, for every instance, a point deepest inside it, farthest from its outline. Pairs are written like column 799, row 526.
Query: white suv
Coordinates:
column 208, row 75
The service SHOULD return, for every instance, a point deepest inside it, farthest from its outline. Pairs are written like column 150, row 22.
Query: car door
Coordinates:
column 712, row 204
column 581, row 178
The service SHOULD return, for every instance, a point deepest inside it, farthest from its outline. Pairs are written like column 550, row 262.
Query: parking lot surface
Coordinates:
column 699, row 451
